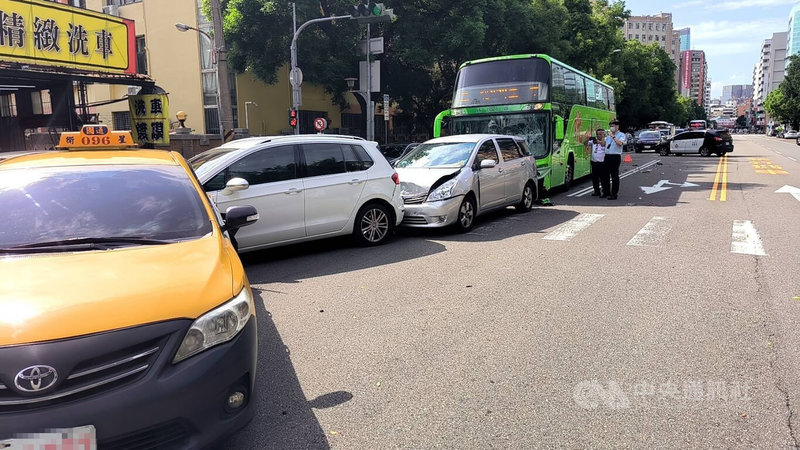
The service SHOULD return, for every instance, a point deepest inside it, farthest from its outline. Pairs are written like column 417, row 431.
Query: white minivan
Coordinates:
column 304, row 187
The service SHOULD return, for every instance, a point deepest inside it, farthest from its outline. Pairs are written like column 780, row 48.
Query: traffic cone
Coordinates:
column 627, row 158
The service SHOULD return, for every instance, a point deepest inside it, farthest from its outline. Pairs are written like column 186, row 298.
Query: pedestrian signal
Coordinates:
column 293, row 118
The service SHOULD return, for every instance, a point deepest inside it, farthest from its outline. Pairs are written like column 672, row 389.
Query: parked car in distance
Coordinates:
column 648, row 140
column 306, row 186
column 452, row 180
column 128, row 319
column 703, row 142
column 629, row 143
column 791, row 134
column 393, row 152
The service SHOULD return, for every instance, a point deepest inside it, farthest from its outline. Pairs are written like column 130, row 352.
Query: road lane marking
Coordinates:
column 570, row 229
column 745, row 239
column 589, row 189
column 723, row 196
column 653, row 232
column 765, row 166
column 792, row 158
column 790, row 190
column 715, row 187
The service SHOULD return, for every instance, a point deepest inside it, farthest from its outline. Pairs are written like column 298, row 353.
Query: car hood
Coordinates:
column 59, row 295
column 418, row 180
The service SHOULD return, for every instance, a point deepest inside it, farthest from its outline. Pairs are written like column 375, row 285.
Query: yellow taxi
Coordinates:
column 126, row 317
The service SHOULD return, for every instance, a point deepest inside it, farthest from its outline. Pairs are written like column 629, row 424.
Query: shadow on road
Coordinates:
column 330, row 256
column 284, row 417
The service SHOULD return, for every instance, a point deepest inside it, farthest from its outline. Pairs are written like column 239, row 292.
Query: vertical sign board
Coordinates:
column 386, row 107
column 52, row 34
column 150, row 118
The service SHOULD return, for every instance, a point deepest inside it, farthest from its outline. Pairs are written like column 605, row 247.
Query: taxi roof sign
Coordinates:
column 96, row 137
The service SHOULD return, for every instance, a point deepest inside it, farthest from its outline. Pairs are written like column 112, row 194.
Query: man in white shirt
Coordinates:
column 614, row 143
column 597, row 147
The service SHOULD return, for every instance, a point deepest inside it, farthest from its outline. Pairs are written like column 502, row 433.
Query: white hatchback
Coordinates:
column 304, row 187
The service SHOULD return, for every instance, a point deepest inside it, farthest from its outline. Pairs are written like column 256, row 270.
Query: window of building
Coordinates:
column 141, row 55
column 8, row 105
column 40, row 102
column 651, row 26
column 649, row 37
column 637, row 26
column 119, row 2
column 121, row 120
column 637, row 37
column 630, row 36
column 630, row 25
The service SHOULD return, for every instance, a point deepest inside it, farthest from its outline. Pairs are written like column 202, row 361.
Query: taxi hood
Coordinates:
column 60, row 295
column 416, row 181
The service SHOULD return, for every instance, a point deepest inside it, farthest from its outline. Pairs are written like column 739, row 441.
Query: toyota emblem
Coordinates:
column 36, row 378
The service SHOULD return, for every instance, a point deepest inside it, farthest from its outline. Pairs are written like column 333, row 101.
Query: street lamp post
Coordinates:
column 183, row 27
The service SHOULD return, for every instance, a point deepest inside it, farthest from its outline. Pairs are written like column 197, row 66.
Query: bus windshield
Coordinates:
column 502, row 82
column 530, row 126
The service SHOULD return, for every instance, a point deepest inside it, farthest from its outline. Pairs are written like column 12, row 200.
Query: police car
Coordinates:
column 126, row 316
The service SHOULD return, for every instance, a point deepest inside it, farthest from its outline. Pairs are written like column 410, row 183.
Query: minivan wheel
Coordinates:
column 704, row 151
column 526, row 202
column 373, row 225
column 466, row 215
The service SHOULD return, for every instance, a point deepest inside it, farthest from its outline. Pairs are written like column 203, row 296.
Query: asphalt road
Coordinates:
column 661, row 319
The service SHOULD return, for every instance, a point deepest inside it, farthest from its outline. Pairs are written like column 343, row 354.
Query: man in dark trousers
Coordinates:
column 597, row 147
column 615, row 141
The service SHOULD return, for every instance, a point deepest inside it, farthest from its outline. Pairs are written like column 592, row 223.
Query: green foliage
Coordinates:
column 785, row 106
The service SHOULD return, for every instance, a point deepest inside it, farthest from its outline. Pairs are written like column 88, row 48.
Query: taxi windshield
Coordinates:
column 438, row 155
column 116, row 204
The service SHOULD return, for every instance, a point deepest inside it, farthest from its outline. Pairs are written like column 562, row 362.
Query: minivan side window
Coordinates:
column 266, row 166
column 366, row 161
column 508, row 149
column 486, row 151
column 324, row 159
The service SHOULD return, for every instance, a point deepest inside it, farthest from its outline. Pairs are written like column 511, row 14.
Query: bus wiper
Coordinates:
column 97, row 242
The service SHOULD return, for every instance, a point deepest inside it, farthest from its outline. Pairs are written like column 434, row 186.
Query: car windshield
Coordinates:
column 650, row 135
column 53, row 204
column 197, row 161
column 439, row 154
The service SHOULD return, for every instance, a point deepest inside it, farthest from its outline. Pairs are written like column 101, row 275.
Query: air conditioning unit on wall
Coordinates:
column 111, row 10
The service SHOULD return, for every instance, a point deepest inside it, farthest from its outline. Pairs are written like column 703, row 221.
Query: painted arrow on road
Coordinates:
column 658, row 187
column 790, row 190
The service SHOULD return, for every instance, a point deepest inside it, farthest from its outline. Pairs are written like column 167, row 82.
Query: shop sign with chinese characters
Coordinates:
column 49, row 33
column 150, row 118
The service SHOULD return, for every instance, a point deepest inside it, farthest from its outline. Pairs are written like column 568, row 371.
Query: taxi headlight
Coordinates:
column 216, row 326
column 442, row 192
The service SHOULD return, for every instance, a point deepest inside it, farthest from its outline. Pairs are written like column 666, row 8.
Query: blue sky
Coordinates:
column 730, row 31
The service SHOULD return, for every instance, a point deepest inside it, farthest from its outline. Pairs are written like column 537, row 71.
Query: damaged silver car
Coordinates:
column 452, row 180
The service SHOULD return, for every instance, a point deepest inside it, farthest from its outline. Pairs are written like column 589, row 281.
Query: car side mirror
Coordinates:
column 239, row 216
column 488, row 163
column 235, row 184
column 559, row 127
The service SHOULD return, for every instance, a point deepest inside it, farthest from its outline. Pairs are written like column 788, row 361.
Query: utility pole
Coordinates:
column 223, row 85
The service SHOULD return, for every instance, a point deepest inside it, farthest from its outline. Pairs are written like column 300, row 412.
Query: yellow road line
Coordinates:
column 713, row 195
column 723, row 196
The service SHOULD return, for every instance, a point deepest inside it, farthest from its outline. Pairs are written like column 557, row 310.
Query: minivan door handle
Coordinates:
column 292, row 191
column 356, row 181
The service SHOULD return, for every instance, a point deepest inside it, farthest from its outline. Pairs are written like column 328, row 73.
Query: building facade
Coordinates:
column 694, row 81
column 793, row 35
column 768, row 72
column 738, row 93
column 685, row 39
column 657, row 29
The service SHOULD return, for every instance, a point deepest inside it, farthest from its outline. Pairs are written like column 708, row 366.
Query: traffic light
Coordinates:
column 371, row 13
column 293, row 118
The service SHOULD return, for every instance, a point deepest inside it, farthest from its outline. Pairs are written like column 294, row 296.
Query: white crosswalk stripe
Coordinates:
column 745, row 239
column 570, row 229
column 653, row 232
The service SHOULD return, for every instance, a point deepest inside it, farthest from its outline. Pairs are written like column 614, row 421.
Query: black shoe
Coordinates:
column 595, row 194
column 612, row 197
column 604, row 195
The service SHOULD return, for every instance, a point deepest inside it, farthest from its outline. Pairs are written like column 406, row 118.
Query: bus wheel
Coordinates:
column 569, row 175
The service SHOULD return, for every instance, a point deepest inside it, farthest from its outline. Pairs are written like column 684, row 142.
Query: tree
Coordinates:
column 778, row 106
column 788, row 108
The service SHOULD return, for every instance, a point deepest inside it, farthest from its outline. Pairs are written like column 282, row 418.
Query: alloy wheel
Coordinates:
column 374, row 225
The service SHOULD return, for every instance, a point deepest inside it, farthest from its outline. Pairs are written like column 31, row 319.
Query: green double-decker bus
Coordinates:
column 555, row 107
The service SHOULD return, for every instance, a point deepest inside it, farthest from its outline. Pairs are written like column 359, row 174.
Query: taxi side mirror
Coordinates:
column 488, row 163
column 239, row 216
column 559, row 122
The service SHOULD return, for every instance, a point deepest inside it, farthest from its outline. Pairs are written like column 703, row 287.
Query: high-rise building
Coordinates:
column 793, row 37
column 685, row 38
column 654, row 29
column 737, row 93
column 768, row 71
column 695, row 83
